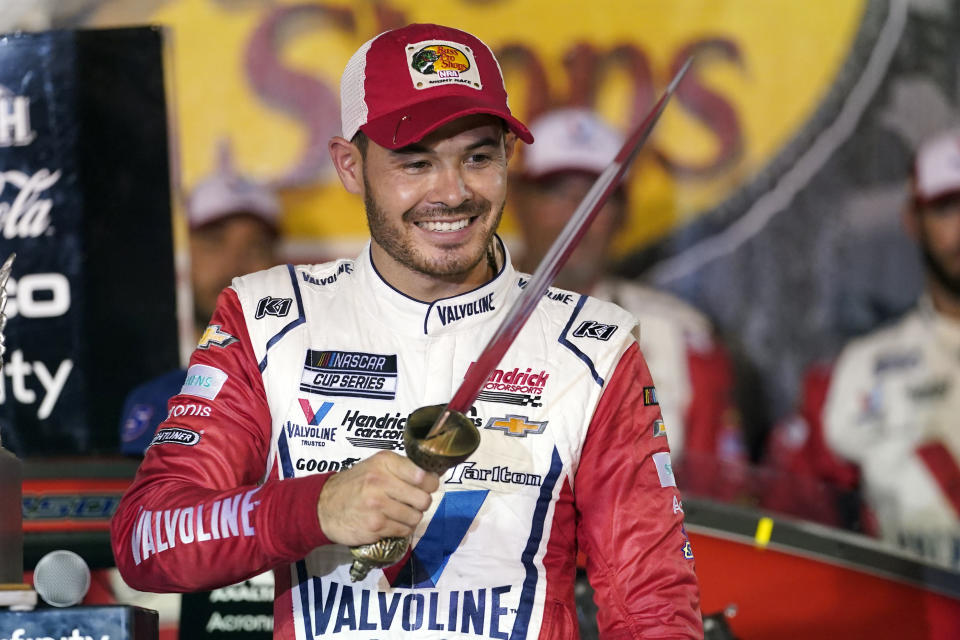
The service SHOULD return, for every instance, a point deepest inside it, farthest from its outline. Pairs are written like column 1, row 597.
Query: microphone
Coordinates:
column 62, row 578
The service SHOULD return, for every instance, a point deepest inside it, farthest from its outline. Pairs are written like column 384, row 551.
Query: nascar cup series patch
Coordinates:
column 350, row 373
column 437, row 62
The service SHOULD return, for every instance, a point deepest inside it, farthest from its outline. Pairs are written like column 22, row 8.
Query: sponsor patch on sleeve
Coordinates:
column 203, row 381
column 664, row 469
column 650, row 396
column 215, row 336
column 658, row 428
column 175, row 435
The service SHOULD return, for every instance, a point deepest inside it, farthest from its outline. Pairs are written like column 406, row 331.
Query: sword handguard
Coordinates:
column 457, row 438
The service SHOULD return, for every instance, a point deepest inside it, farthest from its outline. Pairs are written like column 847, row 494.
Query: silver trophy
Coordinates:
column 4, row 276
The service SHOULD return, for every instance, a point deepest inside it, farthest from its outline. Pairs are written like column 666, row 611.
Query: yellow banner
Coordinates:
column 266, row 76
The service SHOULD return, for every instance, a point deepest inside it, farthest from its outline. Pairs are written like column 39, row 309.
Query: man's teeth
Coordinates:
column 434, row 225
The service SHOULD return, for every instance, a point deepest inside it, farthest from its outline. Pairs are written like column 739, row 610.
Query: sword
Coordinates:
column 441, row 436
column 556, row 257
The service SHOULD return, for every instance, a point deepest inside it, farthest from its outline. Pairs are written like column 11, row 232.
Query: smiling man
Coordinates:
column 286, row 447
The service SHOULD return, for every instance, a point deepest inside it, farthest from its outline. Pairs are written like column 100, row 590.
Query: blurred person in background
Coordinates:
column 691, row 369
column 233, row 231
column 894, row 396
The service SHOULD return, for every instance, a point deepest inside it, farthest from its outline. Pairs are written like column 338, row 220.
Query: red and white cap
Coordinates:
column 226, row 193
column 403, row 84
column 571, row 139
column 936, row 168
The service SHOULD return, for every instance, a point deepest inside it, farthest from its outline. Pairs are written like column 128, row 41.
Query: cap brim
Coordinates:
column 411, row 124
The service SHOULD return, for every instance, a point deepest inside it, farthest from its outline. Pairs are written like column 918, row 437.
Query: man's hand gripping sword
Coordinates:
column 441, row 436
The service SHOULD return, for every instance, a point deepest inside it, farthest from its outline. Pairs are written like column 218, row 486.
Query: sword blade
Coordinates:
column 556, row 257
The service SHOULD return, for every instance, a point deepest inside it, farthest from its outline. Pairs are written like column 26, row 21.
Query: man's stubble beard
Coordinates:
column 392, row 241
column 939, row 273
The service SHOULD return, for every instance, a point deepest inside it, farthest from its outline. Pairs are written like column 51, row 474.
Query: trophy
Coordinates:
column 4, row 276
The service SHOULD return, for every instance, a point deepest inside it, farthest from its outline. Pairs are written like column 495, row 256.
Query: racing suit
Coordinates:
column 892, row 410
column 306, row 370
column 694, row 377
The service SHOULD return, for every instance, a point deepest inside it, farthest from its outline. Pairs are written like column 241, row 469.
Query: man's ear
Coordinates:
column 348, row 162
column 509, row 144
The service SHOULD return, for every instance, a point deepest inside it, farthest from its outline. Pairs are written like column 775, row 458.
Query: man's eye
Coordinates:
column 479, row 158
column 416, row 165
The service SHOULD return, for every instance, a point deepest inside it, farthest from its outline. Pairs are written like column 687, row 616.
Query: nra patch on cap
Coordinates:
column 437, row 62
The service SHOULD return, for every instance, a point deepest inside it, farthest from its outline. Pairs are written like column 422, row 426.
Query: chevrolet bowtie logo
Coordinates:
column 516, row 426
column 214, row 336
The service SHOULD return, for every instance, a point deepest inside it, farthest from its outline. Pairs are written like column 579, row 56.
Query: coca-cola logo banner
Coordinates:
column 41, row 395
column 24, row 212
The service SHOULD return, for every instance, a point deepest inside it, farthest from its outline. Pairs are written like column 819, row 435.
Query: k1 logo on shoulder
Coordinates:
column 203, row 381
column 596, row 330
column 214, row 336
column 350, row 373
column 268, row 306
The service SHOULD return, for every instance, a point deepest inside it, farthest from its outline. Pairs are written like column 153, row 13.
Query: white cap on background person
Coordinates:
column 225, row 193
column 936, row 168
column 405, row 83
column 570, row 139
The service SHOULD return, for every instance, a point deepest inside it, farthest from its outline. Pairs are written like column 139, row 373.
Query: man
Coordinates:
column 233, row 230
column 894, row 396
column 307, row 371
column 692, row 370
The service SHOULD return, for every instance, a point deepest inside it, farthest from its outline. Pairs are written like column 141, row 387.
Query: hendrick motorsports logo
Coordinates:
column 522, row 388
column 375, row 432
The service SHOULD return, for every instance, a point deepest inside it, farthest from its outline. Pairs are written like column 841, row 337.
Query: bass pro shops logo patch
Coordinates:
column 434, row 63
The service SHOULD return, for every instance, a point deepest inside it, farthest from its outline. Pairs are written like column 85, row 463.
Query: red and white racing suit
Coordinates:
column 694, row 376
column 892, row 409
column 307, row 370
